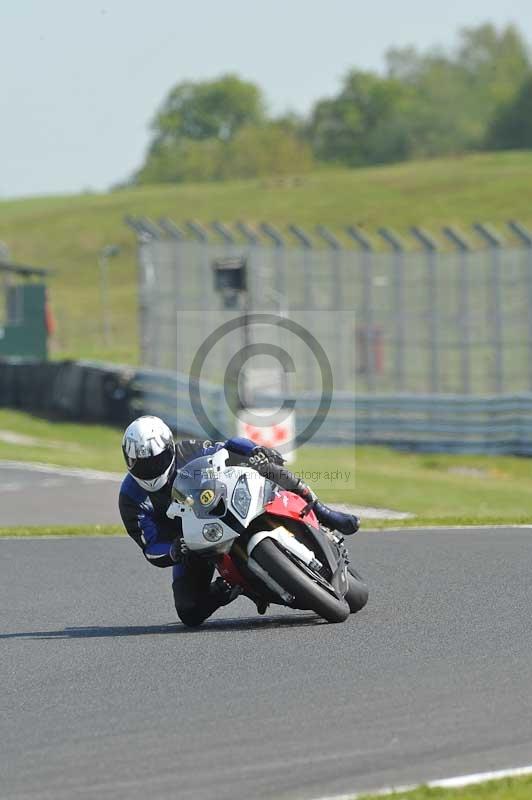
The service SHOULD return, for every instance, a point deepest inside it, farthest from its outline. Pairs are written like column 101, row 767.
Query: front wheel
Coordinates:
column 357, row 593
column 307, row 592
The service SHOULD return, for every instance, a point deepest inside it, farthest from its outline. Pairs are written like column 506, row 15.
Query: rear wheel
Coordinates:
column 307, row 592
column 357, row 593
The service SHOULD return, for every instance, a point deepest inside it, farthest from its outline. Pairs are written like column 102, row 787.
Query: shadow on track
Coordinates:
column 173, row 628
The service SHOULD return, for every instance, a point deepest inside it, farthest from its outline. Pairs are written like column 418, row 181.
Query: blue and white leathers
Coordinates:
column 144, row 513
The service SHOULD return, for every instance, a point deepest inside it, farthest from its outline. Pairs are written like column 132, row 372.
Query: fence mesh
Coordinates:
column 392, row 323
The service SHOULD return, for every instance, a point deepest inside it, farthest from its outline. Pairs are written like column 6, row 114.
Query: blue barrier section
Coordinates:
column 107, row 393
column 432, row 423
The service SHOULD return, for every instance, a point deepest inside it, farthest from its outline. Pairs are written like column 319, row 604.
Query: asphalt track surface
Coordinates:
column 104, row 695
column 48, row 495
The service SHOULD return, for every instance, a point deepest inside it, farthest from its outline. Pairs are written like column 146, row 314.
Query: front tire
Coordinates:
column 357, row 593
column 308, row 594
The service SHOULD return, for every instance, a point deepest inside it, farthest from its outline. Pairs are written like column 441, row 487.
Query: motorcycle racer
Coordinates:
column 153, row 459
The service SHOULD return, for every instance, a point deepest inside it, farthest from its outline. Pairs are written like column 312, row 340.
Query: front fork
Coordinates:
column 232, row 573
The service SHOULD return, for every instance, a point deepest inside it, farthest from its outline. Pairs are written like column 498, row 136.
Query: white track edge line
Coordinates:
column 442, row 783
column 76, row 472
column 62, row 536
column 433, row 529
column 421, row 528
column 68, row 472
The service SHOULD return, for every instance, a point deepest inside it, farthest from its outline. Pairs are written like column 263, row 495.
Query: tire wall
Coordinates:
column 69, row 390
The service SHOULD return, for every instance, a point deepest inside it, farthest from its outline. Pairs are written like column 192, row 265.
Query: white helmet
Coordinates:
column 149, row 450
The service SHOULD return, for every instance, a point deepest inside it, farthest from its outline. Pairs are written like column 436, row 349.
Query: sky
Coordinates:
column 80, row 80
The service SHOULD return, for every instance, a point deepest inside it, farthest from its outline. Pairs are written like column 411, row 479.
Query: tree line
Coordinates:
column 476, row 97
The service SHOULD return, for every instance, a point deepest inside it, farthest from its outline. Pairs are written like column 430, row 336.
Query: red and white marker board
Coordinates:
column 278, row 430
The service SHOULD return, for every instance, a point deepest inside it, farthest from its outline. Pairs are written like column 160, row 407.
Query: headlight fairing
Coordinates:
column 241, row 499
column 213, row 532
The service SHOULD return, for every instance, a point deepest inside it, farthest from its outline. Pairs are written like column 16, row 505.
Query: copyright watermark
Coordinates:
column 234, row 375
column 281, row 379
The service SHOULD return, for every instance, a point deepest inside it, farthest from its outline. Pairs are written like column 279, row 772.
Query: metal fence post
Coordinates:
column 277, row 239
column 430, row 246
column 495, row 320
column 146, row 282
column 399, row 304
column 171, row 229
column 525, row 237
column 463, row 248
column 229, row 242
column 255, row 276
column 250, row 235
column 177, row 239
column 306, row 243
column 224, row 232
column 307, row 284
column 201, row 272
column 336, row 302
column 198, row 230
column 151, row 234
column 367, row 306
column 149, row 227
column 335, row 249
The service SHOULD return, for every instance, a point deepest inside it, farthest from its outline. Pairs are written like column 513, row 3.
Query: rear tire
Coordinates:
column 357, row 593
column 308, row 594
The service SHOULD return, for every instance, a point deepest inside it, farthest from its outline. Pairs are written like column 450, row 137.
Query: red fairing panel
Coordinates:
column 290, row 505
column 229, row 571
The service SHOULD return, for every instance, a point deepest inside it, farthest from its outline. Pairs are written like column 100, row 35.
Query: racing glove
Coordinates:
column 271, row 455
column 280, row 475
column 179, row 552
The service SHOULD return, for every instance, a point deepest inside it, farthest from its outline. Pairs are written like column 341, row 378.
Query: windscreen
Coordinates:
column 197, row 486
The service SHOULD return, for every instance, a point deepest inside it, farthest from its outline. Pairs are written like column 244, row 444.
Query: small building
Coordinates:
column 25, row 323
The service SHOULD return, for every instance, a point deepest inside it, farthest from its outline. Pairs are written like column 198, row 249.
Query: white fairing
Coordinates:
column 193, row 526
column 287, row 542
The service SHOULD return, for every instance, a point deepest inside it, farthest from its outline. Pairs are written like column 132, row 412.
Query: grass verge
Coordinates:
column 367, row 525
column 27, row 438
column 67, row 233
column 438, row 489
column 61, row 530
column 502, row 789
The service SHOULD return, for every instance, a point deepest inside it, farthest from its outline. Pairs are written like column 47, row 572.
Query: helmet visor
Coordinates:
column 147, row 469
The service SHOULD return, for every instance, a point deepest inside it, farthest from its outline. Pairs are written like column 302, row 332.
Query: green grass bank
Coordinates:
column 505, row 789
column 67, row 232
column 438, row 489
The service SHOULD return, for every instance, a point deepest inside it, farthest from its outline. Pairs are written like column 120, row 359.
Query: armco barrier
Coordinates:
column 93, row 392
column 432, row 423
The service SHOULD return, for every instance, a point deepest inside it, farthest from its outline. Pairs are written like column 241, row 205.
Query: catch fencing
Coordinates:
column 431, row 322
column 396, row 324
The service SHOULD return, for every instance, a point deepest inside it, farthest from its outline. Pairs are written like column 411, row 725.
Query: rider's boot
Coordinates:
column 262, row 607
column 222, row 593
column 346, row 524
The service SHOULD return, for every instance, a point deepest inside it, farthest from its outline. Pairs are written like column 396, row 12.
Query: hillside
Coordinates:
column 66, row 233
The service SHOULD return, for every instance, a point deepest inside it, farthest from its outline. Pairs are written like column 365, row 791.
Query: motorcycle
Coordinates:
column 263, row 539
